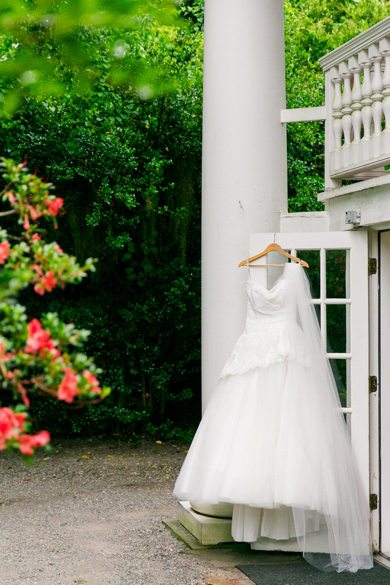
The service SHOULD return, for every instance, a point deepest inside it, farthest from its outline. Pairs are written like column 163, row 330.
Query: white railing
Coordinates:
column 357, row 101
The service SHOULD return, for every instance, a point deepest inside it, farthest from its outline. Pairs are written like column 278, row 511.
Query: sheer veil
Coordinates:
column 340, row 505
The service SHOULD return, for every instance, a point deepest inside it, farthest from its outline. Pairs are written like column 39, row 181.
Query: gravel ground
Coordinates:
column 91, row 513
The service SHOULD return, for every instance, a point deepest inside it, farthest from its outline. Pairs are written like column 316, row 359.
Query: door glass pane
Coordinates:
column 317, row 309
column 336, row 328
column 340, row 369
column 336, row 263
column 312, row 257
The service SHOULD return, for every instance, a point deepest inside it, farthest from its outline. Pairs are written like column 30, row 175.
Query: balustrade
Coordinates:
column 358, row 103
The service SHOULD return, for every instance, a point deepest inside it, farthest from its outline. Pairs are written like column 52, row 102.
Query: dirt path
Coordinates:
column 91, row 513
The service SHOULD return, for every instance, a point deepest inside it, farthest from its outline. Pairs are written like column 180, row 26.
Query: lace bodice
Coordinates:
column 271, row 332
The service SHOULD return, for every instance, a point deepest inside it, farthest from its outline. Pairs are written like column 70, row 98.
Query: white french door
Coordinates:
column 384, row 392
column 339, row 278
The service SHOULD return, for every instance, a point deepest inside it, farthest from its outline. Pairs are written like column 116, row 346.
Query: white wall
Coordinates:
column 244, row 160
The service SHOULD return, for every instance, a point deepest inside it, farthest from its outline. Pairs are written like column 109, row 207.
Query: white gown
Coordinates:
column 273, row 441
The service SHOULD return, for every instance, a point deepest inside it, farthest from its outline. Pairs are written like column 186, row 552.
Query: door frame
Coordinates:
column 379, row 452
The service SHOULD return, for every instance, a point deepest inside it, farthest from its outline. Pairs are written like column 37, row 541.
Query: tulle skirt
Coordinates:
column 272, row 443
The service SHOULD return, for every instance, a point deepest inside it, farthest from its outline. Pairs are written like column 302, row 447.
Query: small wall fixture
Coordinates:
column 353, row 217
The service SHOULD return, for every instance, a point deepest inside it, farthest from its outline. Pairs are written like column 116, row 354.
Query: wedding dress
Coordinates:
column 273, row 441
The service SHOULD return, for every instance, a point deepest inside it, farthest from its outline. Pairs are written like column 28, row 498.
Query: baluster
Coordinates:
column 356, row 105
column 366, row 93
column 384, row 48
column 346, row 103
column 337, row 104
column 377, row 87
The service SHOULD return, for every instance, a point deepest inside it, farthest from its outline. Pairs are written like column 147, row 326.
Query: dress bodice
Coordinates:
column 264, row 304
column 271, row 332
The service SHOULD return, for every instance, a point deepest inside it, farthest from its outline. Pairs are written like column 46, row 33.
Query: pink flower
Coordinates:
column 7, row 422
column 67, row 390
column 37, row 337
column 41, row 438
column 54, row 205
column 48, row 281
column 23, row 392
column 11, row 197
column 4, row 252
column 34, row 212
column 20, row 418
column 35, row 238
column 5, row 357
column 37, row 269
column 26, row 223
column 59, row 250
column 10, row 423
column 50, row 348
column 26, row 444
column 92, row 381
column 39, row 289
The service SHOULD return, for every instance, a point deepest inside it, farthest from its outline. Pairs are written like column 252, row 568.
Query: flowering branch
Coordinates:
column 39, row 355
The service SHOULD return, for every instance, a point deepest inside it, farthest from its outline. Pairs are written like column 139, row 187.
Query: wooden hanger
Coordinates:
column 272, row 248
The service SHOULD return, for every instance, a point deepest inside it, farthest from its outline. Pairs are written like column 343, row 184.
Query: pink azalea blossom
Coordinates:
column 50, row 348
column 34, row 212
column 4, row 252
column 5, row 357
column 92, row 381
column 20, row 419
column 54, row 205
column 41, row 438
column 11, row 423
column 37, row 337
column 48, row 281
column 37, row 269
column 67, row 390
column 39, row 289
column 12, row 426
column 8, row 423
column 23, row 393
column 28, row 442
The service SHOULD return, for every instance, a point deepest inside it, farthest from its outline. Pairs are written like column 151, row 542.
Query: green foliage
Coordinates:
column 105, row 420
column 312, row 29
column 128, row 164
column 32, row 355
column 51, row 46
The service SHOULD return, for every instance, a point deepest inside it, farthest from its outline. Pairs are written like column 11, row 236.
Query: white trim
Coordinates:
column 303, row 114
column 352, row 47
column 382, row 561
column 354, row 188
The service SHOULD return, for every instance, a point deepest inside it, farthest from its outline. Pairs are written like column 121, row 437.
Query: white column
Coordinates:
column 244, row 160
